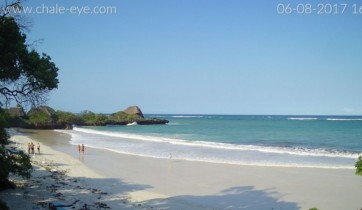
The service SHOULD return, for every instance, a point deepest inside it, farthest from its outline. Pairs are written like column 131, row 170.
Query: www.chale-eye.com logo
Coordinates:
column 57, row 9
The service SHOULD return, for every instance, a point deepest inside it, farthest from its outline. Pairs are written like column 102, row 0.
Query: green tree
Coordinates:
column 123, row 116
column 88, row 117
column 358, row 166
column 11, row 163
column 42, row 117
column 67, row 119
column 26, row 77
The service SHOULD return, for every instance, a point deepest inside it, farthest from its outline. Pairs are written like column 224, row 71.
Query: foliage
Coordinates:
column 122, row 116
column 101, row 119
column 67, row 119
column 15, row 117
column 358, row 166
column 25, row 75
column 3, row 205
column 313, row 209
column 42, row 116
column 87, row 116
column 90, row 118
column 4, row 137
column 12, row 163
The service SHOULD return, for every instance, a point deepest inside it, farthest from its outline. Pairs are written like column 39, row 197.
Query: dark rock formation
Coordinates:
column 152, row 121
column 17, row 111
column 134, row 110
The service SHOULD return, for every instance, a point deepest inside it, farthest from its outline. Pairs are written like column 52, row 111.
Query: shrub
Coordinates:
column 358, row 166
column 3, row 205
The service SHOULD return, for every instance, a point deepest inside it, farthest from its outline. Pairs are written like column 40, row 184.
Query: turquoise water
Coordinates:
column 297, row 141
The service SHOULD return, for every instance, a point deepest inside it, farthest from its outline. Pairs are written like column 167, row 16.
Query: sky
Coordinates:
column 204, row 56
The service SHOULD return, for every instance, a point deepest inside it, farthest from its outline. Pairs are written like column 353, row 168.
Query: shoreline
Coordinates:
column 213, row 152
column 178, row 184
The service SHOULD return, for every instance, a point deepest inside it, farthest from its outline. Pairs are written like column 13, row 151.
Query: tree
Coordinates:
column 11, row 163
column 26, row 77
column 358, row 166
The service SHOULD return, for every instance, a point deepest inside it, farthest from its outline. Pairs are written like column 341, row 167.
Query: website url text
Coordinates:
column 60, row 10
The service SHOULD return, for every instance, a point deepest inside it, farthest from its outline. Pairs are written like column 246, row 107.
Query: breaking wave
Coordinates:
column 160, row 147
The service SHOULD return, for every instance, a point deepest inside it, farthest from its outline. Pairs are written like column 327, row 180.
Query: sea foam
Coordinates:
column 344, row 119
column 215, row 152
column 216, row 145
column 302, row 118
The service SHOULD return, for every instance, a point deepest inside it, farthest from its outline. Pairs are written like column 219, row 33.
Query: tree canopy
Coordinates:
column 25, row 75
column 358, row 166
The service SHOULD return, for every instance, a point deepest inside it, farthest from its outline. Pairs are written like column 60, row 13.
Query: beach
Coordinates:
column 103, row 179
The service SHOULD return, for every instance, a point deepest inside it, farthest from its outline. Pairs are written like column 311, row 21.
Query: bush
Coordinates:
column 358, row 166
column 42, row 116
column 18, row 164
column 3, row 205
column 67, row 119
column 122, row 116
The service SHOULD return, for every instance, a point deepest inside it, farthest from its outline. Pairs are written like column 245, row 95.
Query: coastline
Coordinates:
column 133, row 182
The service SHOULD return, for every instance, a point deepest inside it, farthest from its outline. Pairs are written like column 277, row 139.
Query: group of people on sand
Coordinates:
column 31, row 147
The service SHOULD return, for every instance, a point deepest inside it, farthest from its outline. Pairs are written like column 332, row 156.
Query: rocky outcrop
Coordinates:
column 17, row 111
column 16, row 116
column 152, row 121
column 140, row 119
column 134, row 110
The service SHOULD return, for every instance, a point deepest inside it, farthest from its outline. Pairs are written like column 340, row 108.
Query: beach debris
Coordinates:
column 26, row 192
column 55, row 205
column 85, row 207
column 42, row 204
column 50, row 184
column 101, row 205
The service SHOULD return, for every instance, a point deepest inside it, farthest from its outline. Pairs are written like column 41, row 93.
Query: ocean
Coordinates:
column 260, row 140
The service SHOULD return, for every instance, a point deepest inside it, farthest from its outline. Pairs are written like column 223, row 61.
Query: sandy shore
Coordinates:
column 102, row 179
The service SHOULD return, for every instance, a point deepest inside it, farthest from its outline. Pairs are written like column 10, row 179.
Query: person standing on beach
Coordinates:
column 83, row 149
column 32, row 147
column 79, row 148
column 29, row 146
column 38, row 147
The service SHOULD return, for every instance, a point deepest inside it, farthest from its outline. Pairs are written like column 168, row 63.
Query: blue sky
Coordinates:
column 203, row 57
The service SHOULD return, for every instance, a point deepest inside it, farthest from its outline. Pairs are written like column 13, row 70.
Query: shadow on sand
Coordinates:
column 103, row 193
column 47, row 187
column 246, row 197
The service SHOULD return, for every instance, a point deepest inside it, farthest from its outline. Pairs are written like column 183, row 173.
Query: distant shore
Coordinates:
column 119, row 181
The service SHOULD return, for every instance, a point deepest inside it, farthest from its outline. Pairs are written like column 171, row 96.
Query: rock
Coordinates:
column 17, row 111
column 135, row 110
column 152, row 121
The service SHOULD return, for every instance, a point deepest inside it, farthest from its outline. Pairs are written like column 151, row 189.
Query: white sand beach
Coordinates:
column 102, row 179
